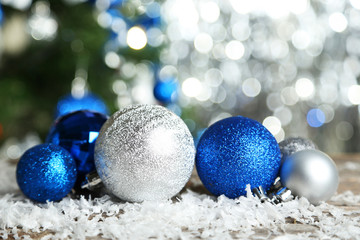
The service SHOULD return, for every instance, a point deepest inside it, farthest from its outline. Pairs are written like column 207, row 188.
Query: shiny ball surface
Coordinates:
column 293, row 145
column 46, row 172
column 77, row 133
column 234, row 152
column 166, row 91
column 311, row 174
column 144, row 152
column 89, row 101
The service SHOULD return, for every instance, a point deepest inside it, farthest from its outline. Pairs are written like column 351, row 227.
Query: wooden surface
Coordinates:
column 349, row 171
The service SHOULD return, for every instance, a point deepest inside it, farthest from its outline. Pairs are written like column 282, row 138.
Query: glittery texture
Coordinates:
column 144, row 152
column 46, row 172
column 310, row 173
column 77, row 133
column 293, row 145
column 234, row 152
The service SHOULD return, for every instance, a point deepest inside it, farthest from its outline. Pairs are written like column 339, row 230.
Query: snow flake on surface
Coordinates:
column 189, row 215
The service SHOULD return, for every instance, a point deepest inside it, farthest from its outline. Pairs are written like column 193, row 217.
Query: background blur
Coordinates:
column 292, row 65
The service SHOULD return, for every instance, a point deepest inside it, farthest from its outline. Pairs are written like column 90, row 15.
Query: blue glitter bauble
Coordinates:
column 46, row 172
column 234, row 152
column 166, row 91
column 77, row 132
column 89, row 101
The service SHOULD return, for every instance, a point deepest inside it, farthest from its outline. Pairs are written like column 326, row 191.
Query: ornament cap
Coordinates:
column 92, row 181
column 261, row 194
column 277, row 193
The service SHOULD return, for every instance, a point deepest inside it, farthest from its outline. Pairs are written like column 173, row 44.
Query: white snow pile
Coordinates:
column 192, row 215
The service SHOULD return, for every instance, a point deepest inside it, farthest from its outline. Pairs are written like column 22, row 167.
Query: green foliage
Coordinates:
column 32, row 82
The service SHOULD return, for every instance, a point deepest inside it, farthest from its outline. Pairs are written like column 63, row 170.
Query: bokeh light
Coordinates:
column 136, row 38
column 192, row 87
column 355, row 3
column 338, row 22
column 112, row 60
column 301, row 39
column 354, row 94
column 315, row 118
column 19, row 4
column 273, row 124
column 251, row 87
column 209, row 11
column 304, row 88
column 234, row 50
column 344, row 131
column 42, row 24
column 203, row 43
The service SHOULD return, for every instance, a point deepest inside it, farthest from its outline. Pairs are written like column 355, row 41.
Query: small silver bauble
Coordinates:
column 144, row 152
column 294, row 144
column 311, row 174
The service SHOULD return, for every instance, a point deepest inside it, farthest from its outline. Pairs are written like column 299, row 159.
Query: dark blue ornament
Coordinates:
column 234, row 152
column 77, row 132
column 89, row 101
column 46, row 172
column 166, row 91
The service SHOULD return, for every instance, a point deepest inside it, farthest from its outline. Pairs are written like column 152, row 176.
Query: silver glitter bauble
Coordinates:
column 144, row 152
column 311, row 174
column 293, row 145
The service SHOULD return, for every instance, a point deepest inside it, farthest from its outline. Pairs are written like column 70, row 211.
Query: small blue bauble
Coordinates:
column 234, row 152
column 46, row 172
column 89, row 101
column 166, row 91
column 77, row 132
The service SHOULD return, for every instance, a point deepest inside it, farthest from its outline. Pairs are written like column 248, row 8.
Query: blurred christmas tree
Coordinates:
column 291, row 65
column 50, row 49
column 35, row 73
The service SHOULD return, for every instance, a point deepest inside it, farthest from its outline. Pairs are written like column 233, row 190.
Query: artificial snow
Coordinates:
column 189, row 215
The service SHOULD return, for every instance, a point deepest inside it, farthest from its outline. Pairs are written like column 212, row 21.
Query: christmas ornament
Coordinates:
column 234, row 152
column 294, row 144
column 77, row 132
column 89, row 101
column 310, row 173
column 46, row 172
column 144, row 152
column 276, row 194
column 166, row 91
